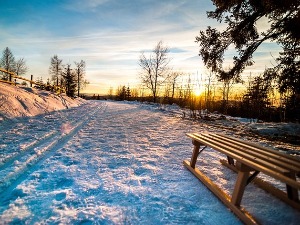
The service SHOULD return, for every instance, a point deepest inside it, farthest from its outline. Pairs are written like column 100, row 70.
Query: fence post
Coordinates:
column 31, row 78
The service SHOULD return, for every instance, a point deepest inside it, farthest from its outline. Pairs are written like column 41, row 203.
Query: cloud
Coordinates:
column 84, row 6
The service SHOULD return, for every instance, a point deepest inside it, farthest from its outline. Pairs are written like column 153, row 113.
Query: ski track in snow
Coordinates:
column 35, row 153
column 114, row 163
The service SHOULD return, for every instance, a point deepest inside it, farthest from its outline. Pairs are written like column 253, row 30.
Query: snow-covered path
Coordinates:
column 111, row 163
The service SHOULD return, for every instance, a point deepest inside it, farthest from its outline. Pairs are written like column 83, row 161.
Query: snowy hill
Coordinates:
column 25, row 101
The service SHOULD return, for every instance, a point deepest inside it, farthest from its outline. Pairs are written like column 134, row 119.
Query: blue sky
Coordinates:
column 109, row 35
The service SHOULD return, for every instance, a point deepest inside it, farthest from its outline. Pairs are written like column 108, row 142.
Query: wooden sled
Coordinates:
column 248, row 160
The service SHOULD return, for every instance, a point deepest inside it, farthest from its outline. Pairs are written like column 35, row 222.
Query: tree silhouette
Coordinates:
column 256, row 98
column 241, row 17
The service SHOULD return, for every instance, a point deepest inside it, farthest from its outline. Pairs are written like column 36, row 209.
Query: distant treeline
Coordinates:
column 248, row 106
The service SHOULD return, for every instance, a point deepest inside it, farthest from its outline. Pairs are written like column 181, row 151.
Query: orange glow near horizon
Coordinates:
column 198, row 91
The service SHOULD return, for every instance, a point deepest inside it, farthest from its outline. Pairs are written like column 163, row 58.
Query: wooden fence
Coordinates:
column 39, row 84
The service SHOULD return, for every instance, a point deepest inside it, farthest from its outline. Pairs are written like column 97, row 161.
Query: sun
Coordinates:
column 198, row 92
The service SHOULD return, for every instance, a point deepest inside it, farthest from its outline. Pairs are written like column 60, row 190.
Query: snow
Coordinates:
column 26, row 101
column 117, row 163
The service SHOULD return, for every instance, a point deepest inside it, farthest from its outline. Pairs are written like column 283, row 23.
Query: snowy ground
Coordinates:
column 115, row 163
column 284, row 137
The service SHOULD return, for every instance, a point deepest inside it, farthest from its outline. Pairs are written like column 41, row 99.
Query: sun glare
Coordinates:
column 198, row 92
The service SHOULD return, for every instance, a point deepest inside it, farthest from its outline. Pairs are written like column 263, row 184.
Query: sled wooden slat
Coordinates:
column 276, row 157
column 247, row 159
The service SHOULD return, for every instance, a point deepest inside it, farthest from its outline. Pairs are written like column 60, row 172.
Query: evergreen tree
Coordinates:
column 287, row 75
column 241, row 17
column 69, row 81
column 128, row 93
column 257, row 99
column 39, row 83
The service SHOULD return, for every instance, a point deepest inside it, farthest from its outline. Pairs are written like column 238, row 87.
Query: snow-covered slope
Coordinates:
column 25, row 101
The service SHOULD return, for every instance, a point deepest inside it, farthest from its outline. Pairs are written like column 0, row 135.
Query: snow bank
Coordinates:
column 25, row 101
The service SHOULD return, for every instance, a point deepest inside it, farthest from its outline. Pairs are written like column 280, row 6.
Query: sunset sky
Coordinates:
column 109, row 35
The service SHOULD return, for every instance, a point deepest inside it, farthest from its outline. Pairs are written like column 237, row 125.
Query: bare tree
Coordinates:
column 227, row 85
column 56, row 69
column 21, row 67
column 173, row 81
column 208, row 86
column 8, row 63
column 80, row 72
column 155, row 68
